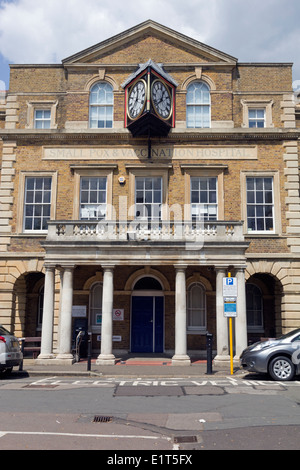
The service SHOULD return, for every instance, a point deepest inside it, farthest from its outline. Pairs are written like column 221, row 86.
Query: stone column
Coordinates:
column 48, row 315
column 241, row 319
column 106, row 356
column 222, row 322
column 180, row 357
column 65, row 337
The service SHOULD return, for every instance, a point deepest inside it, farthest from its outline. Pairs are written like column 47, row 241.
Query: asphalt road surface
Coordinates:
column 176, row 415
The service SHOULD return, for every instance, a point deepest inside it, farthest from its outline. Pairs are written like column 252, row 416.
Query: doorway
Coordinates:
column 147, row 317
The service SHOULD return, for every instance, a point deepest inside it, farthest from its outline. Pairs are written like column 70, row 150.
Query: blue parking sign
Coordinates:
column 229, row 287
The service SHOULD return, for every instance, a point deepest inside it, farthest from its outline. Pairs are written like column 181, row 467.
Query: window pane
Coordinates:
column 198, row 105
column 260, row 204
column 196, row 307
column 37, row 203
column 93, row 198
column 101, row 106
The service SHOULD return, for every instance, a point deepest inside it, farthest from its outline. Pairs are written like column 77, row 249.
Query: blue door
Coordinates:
column 147, row 324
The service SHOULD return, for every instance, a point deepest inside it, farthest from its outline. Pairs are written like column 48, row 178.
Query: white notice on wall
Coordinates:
column 118, row 314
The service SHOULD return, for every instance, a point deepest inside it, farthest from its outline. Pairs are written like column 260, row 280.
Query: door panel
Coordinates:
column 159, row 324
column 147, row 324
column 142, row 324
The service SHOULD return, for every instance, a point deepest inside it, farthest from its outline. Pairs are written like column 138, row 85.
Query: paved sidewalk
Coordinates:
column 134, row 367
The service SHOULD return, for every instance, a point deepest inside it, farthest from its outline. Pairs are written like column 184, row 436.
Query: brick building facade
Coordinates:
column 132, row 235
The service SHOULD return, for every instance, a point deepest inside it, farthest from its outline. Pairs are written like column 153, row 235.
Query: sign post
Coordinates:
column 230, row 296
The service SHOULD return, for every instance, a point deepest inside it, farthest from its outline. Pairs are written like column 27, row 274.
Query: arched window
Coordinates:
column 254, row 304
column 198, row 105
column 96, row 304
column 196, row 307
column 101, row 106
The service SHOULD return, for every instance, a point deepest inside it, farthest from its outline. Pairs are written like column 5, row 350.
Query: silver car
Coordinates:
column 10, row 351
column 280, row 358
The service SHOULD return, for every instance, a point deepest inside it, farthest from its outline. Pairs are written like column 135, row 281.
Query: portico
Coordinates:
column 66, row 251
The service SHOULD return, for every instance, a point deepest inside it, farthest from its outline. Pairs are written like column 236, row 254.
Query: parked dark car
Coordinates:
column 10, row 351
column 280, row 357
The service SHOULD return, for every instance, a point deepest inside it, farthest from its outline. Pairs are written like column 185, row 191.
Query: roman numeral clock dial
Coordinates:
column 136, row 99
column 161, row 99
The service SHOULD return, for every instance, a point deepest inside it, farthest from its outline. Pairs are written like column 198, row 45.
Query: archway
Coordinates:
column 147, row 316
column 263, row 302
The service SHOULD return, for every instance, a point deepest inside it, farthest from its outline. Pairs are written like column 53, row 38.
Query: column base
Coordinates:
column 45, row 359
column 225, row 361
column 181, row 360
column 106, row 360
column 64, row 359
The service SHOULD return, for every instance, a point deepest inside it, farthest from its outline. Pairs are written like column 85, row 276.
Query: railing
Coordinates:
column 136, row 230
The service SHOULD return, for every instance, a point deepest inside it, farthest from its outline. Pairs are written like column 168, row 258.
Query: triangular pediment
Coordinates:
column 161, row 40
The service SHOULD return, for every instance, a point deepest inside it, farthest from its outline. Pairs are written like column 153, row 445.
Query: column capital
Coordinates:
column 180, row 267
column 67, row 266
column 49, row 267
column 107, row 267
column 221, row 268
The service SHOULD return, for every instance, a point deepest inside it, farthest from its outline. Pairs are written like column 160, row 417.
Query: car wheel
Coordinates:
column 281, row 368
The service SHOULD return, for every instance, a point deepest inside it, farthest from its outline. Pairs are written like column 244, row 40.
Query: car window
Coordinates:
column 296, row 339
column 3, row 331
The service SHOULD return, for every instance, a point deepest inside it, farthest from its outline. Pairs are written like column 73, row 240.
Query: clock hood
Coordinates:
column 143, row 67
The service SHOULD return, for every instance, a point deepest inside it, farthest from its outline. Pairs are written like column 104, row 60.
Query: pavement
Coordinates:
column 130, row 367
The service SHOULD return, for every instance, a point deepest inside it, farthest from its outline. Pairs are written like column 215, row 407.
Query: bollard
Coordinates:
column 22, row 340
column 209, row 341
column 89, row 350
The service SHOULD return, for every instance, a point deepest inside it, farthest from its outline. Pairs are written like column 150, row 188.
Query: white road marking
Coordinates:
column 69, row 434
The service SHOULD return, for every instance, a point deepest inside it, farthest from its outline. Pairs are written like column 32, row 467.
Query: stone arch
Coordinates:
column 96, row 78
column 23, row 277
column 194, row 78
column 197, row 277
column 146, row 272
column 268, row 276
column 98, row 277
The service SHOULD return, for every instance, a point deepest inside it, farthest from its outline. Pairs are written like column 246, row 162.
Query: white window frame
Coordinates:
column 262, row 204
column 20, row 228
column 256, row 119
column 33, row 106
column 192, row 310
column 276, row 202
column 34, row 204
column 101, row 171
column 94, row 210
column 257, row 104
column 149, row 196
column 143, row 171
column 205, row 208
column 43, row 122
column 190, row 171
column 198, row 106
column 101, row 106
column 95, row 310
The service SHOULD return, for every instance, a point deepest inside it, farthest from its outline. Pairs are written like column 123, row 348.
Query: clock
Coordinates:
column 161, row 99
column 136, row 99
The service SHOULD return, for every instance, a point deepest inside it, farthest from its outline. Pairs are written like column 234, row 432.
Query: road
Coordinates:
column 158, row 415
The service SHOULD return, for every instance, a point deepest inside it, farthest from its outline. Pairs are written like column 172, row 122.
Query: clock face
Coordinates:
column 136, row 99
column 161, row 99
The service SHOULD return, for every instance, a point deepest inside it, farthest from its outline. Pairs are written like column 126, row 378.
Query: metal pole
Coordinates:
column 209, row 338
column 231, row 345
column 89, row 351
column 22, row 340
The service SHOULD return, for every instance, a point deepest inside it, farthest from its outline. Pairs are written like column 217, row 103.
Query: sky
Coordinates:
column 48, row 31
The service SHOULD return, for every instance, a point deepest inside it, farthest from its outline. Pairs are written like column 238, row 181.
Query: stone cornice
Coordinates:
column 123, row 135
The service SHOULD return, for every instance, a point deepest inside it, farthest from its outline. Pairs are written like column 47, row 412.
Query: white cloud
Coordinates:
column 34, row 31
column 47, row 31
